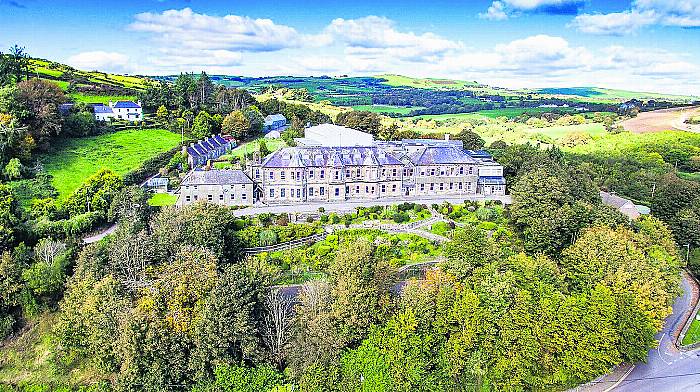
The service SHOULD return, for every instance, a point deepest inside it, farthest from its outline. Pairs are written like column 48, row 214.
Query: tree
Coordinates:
column 204, row 125
column 236, row 124
column 130, row 204
column 360, row 290
column 363, row 121
column 255, row 119
column 470, row 248
column 228, row 331
column 13, row 169
column 277, row 324
column 470, row 140
column 41, row 99
column 162, row 114
column 9, row 218
column 262, row 148
column 95, row 194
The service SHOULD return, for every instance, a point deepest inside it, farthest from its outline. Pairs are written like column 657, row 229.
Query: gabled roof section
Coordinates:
column 216, row 177
column 329, row 156
column 103, row 109
column 274, row 117
column 437, row 155
column 126, row 105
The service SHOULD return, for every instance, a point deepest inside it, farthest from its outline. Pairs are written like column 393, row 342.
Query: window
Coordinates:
column 393, row 188
column 432, row 187
column 298, row 193
column 187, row 198
column 233, row 196
column 311, row 173
column 272, row 193
column 442, row 186
column 244, row 196
column 358, row 172
column 357, row 189
column 210, row 197
column 422, row 172
column 460, row 185
column 311, row 191
column 347, row 173
column 322, row 191
column 257, row 173
column 272, row 175
column 282, row 192
column 442, row 172
column 282, row 175
column 221, row 197
column 383, row 172
column 196, row 197
column 393, row 172
column 336, row 174
column 337, row 191
column 451, row 186
column 432, row 172
column 461, row 170
column 366, row 189
column 383, row 188
column 422, row 187
column 323, row 174
column 298, row 175
column 471, row 170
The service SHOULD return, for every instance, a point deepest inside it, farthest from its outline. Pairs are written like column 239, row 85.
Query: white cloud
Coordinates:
column 100, row 60
column 503, row 9
column 680, row 13
column 495, row 12
column 187, row 29
column 374, row 37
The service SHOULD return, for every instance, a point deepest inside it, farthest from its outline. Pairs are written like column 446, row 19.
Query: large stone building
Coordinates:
column 226, row 187
column 334, row 164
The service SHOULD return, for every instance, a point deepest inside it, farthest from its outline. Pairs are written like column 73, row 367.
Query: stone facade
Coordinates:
column 225, row 187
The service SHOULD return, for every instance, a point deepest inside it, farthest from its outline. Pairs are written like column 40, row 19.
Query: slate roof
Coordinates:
column 102, row 109
column 329, row 157
column 614, row 200
column 274, row 117
column 438, row 155
column 126, row 105
column 216, row 177
column 203, row 147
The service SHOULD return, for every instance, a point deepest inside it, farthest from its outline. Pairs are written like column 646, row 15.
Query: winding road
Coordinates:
column 667, row 367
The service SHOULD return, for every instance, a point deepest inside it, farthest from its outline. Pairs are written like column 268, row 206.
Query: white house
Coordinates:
column 120, row 110
column 330, row 135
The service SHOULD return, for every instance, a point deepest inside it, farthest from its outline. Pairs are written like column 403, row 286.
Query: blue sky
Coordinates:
column 650, row 45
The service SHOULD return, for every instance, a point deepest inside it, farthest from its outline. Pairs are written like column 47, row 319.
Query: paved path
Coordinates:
column 668, row 368
column 102, row 234
column 350, row 206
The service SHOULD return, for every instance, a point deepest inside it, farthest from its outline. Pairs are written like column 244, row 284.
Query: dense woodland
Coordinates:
column 564, row 288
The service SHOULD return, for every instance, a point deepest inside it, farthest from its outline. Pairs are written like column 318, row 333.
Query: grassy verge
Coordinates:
column 74, row 160
column 693, row 334
column 689, row 176
column 162, row 200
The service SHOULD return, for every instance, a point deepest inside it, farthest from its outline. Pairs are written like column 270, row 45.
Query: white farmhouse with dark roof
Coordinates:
column 120, row 110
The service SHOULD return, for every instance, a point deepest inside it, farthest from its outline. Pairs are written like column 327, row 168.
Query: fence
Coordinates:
column 286, row 245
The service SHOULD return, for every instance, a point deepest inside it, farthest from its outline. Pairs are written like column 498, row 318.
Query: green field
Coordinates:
column 253, row 145
column 78, row 97
column 494, row 113
column 556, row 132
column 162, row 200
column 387, row 108
column 398, row 81
column 74, row 160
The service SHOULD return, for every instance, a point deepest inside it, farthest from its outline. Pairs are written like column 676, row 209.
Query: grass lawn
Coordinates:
column 693, row 334
column 28, row 358
column 79, row 97
column 689, row 176
column 253, row 145
column 74, row 160
column 507, row 112
column 162, row 200
column 557, row 132
column 387, row 108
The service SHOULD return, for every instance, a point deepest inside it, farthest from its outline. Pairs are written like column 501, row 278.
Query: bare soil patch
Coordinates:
column 663, row 120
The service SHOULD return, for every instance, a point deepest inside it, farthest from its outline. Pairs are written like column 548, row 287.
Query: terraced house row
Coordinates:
column 315, row 171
